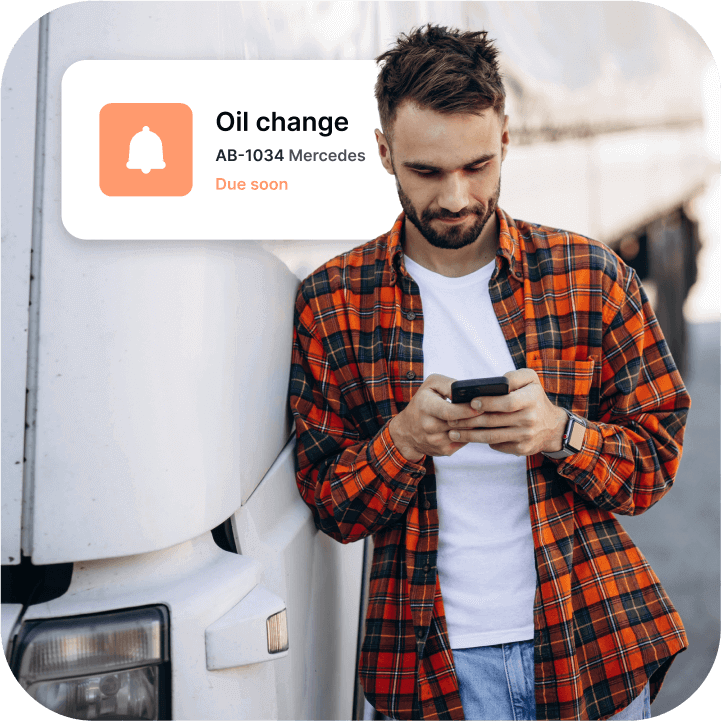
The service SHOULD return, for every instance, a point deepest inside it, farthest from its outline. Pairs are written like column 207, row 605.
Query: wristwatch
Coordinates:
column 572, row 437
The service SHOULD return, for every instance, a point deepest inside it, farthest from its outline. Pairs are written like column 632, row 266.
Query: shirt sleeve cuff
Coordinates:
column 579, row 466
column 399, row 473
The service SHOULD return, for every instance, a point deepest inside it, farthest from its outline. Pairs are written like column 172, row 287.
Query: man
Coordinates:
column 506, row 504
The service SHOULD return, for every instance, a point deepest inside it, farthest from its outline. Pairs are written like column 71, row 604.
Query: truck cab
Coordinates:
column 175, row 569
column 158, row 560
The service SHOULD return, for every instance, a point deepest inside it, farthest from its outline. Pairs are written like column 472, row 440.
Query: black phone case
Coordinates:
column 466, row 391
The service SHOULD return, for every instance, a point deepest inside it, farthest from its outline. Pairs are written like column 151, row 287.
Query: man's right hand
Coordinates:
column 421, row 428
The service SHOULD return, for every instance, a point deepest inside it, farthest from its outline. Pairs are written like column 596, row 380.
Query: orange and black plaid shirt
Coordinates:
column 570, row 309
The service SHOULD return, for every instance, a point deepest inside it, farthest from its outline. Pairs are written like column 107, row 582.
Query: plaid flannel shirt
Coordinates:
column 570, row 309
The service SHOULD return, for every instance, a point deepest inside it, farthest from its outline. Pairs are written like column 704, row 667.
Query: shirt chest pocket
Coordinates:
column 568, row 384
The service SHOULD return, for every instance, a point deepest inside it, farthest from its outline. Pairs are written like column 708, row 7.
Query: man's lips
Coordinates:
column 453, row 221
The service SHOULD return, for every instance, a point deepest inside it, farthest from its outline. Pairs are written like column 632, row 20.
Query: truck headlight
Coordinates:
column 104, row 666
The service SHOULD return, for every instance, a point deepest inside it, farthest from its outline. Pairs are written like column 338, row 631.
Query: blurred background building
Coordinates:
column 612, row 122
column 614, row 116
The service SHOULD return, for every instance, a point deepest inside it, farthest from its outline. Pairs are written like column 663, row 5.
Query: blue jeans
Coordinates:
column 497, row 683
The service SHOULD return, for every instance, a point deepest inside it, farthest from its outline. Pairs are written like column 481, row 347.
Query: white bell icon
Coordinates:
column 146, row 151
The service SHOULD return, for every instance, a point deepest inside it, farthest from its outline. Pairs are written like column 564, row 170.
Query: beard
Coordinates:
column 453, row 237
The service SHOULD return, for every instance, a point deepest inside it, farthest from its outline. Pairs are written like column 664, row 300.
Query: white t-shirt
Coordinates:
column 485, row 548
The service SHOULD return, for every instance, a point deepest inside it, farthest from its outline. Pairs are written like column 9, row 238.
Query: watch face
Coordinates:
column 578, row 431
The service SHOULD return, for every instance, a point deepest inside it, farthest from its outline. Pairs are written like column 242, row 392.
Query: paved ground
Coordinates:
column 680, row 535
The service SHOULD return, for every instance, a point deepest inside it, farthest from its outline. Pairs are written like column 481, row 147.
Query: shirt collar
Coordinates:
column 509, row 246
column 395, row 248
column 509, row 243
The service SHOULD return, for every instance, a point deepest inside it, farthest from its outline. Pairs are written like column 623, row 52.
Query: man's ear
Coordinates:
column 505, row 138
column 384, row 151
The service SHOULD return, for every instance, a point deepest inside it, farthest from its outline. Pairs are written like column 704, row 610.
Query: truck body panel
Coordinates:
column 19, row 96
column 322, row 580
column 163, row 396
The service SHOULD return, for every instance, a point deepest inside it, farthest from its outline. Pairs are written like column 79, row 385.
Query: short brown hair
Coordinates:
column 439, row 68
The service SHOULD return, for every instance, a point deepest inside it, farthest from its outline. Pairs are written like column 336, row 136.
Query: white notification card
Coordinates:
column 223, row 149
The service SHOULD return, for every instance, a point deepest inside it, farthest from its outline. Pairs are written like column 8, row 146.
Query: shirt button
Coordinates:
column 426, row 504
column 411, row 315
column 426, row 568
column 419, row 633
column 410, row 375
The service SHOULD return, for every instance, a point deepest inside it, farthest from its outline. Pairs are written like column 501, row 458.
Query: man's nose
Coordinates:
column 453, row 195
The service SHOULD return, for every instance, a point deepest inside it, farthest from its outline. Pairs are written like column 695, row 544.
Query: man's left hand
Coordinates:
column 523, row 422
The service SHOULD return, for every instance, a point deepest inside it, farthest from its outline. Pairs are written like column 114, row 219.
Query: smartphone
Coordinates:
column 466, row 391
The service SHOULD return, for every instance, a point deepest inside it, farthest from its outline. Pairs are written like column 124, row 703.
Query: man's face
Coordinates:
column 448, row 170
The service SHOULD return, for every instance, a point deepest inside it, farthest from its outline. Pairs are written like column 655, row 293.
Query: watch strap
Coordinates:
column 572, row 437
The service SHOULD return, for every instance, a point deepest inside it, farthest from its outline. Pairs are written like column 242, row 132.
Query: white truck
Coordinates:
column 158, row 561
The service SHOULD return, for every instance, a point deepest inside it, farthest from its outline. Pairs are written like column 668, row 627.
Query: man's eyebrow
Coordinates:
column 426, row 166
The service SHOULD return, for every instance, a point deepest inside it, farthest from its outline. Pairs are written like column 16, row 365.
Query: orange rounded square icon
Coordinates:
column 146, row 149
